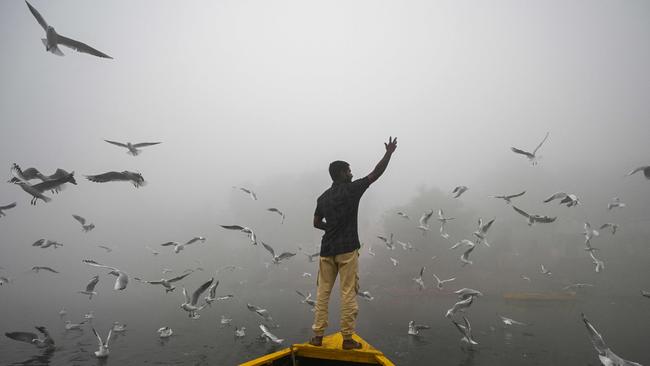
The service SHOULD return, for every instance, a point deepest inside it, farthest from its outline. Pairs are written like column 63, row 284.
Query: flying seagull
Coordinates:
column 606, row 356
column 243, row 229
column 74, row 326
column 616, row 203
column 250, row 192
column 212, row 293
column 441, row 283
column 103, row 345
column 35, row 193
column 6, row 207
column 424, row 221
column 31, row 338
column 390, row 244
column 565, row 199
column 90, row 287
column 133, row 148
column 270, row 336
column 459, row 190
column 466, row 331
column 82, row 221
column 263, row 313
column 443, row 220
column 135, row 178
column 365, row 295
column 277, row 258
column 414, row 329
column 46, row 243
column 122, row 277
column 645, row 293
column 39, row 268
column 167, row 283
column 403, row 215
column 481, row 231
column 306, row 299
column 107, row 249
column 165, row 332
column 508, row 198
column 419, row 279
column 178, row 246
column 612, row 226
column 545, row 271
column 532, row 219
column 56, row 182
column 464, row 258
column 644, row 169
column 53, row 39
column 532, row 157
column 460, row 306
column 465, row 292
column 273, row 209
column 191, row 304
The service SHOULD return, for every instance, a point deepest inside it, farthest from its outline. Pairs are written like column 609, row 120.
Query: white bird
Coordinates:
column 525, row 278
column 122, row 277
column 532, row 157
column 225, row 321
column 644, row 169
column 248, row 231
column 53, row 39
column 154, row 252
column 263, row 313
column 36, row 194
column 390, row 244
column 107, row 249
column 306, row 275
column 167, row 283
column 394, row 261
column 191, row 304
column 89, row 316
column 612, row 226
column 73, row 326
column 466, row 331
column 508, row 198
column 464, row 258
column 567, row 199
column 165, row 332
column 125, row 176
column 90, row 287
column 250, row 192
column 403, row 215
column 56, row 182
column 589, row 233
column 46, row 243
column 310, row 257
column 605, row 354
column 443, row 220
column 532, row 219
column 63, row 313
column 240, row 332
column 82, row 221
column 616, row 203
column 419, row 279
column 414, row 329
column 6, row 207
column 645, row 293
column 178, row 246
column 277, row 258
column 273, row 209
column 509, row 321
column 119, row 328
column 26, row 174
column 459, row 190
column 424, row 221
column 481, row 232
column 405, row 246
column 306, row 299
column 465, row 242
column 465, row 292
column 545, row 271
column 600, row 265
column 32, row 338
column 440, row 284
column 133, row 148
column 212, row 293
column 365, row 295
column 270, row 336
column 103, row 351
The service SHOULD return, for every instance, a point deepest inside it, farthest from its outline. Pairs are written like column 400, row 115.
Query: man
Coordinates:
column 336, row 214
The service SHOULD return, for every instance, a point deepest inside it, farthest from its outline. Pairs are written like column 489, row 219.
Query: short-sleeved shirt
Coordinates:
column 339, row 206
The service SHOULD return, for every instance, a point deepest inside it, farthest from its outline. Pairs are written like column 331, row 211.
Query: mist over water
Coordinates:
column 264, row 95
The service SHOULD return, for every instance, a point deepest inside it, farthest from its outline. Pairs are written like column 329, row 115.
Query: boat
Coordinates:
column 329, row 354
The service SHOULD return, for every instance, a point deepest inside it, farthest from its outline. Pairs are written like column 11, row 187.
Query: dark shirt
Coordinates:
column 339, row 206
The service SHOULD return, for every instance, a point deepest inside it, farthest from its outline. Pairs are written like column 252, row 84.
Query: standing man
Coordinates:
column 336, row 214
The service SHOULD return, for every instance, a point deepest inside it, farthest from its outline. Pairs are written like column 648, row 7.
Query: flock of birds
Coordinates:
column 193, row 303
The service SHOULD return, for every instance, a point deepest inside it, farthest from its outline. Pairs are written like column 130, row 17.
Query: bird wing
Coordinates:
column 232, row 227
column 301, row 294
column 49, row 269
column 99, row 339
column 107, row 177
column 187, row 296
column 200, row 290
column 168, row 243
column 540, row 144
column 638, row 169
column 178, row 278
column 556, row 195
column 108, row 337
column 122, row 280
column 81, row 220
column 213, row 289
column 80, row 47
column 596, row 338
column 520, row 211
column 26, row 337
column 116, row 143
column 516, row 195
column 38, row 243
column 421, row 271
column 143, row 144
column 522, row 152
column 90, row 287
column 268, row 248
column 285, row 255
column 11, row 205
column 93, row 263
column 486, row 227
column 38, row 16
column 544, row 219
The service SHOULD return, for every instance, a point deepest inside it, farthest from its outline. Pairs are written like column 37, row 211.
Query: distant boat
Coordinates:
column 330, row 353
column 540, row 296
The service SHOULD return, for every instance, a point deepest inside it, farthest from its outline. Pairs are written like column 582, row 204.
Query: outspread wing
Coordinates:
column 81, row 220
column 11, row 205
column 200, row 290
column 522, row 152
column 38, row 16
column 232, row 227
column 557, row 195
column 178, row 278
column 99, row 339
column 544, row 219
column 90, row 287
column 486, row 227
column 516, row 195
column 26, row 337
column 80, row 47
column 541, row 143
column 116, row 143
column 268, row 248
column 143, row 144
column 520, row 211
column 169, row 243
column 107, row 177
column 596, row 338
column 285, row 255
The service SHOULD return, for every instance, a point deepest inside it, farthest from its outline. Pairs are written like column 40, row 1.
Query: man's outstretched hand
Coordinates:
column 391, row 145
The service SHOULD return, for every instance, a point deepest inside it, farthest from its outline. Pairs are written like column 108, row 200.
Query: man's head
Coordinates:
column 340, row 171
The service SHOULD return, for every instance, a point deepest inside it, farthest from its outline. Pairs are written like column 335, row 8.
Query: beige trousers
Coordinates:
column 345, row 265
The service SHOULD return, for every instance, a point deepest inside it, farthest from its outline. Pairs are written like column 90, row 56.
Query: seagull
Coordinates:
column 405, row 246
column 118, row 328
column 90, row 287
column 6, row 207
column 525, row 278
column 464, row 258
column 270, row 336
column 53, row 39
column 466, row 331
column 645, row 293
column 443, row 220
column 135, row 178
column 414, row 329
column 481, row 232
column 26, row 175
column 645, row 169
column 464, row 293
column 190, row 305
column 154, row 252
column 545, row 271
column 107, row 249
column 89, row 316
column 577, row 285
column 532, row 219
column 306, row 275
column 403, row 215
column 307, row 299
column 133, row 148
column 532, row 157
column 365, row 295
column 165, row 332
column 508, row 198
column 240, row 332
column 243, row 229
column 370, row 251
column 459, row 190
column 225, row 321
column 273, row 209
column 419, row 279
column 600, row 265
column 103, row 346
column 465, row 242
column 63, row 313
column 82, row 221
column 424, row 221
column 32, row 338
column 440, row 283
column 46, row 243
column 589, row 233
column 508, row 321
column 259, row 311
column 390, row 244
column 565, row 199
column 122, row 277
column 250, row 192
column 605, row 355
column 277, row 258
column 212, row 293
column 394, row 261
column 56, row 182
column 616, row 203
column 613, row 226
column 178, row 246
column 167, row 283
column 38, row 268
column 36, row 194
column 73, row 326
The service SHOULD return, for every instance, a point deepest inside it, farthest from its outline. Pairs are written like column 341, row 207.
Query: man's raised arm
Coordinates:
column 383, row 163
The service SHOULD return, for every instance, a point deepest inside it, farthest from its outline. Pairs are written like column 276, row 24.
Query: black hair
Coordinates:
column 336, row 168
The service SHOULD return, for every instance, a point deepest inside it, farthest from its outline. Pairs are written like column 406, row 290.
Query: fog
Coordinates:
column 264, row 95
